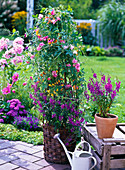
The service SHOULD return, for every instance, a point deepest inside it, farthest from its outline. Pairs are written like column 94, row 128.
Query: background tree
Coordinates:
column 7, row 8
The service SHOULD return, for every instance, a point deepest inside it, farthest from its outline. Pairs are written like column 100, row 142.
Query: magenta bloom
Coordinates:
column 58, row 19
column 68, row 65
column 31, row 78
column 54, row 74
column 13, row 91
column 94, row 75
column 74, row 61
column 1, row 121
column 15, row 77
column 108, row 87
column 118, row 86
column 25, row 83
column 49, row 78
column 6, row 90
column 53, row 12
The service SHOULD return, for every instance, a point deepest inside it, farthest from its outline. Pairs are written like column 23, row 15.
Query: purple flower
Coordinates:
column 62, row 106
column 113, row 94
column 1, row 121
column 118, row 86
column 60, row 118
column 53, row 115
column 108, row 87
column 94, row 75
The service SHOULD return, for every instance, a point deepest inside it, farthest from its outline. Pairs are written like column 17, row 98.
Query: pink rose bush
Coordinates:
column 11, row 59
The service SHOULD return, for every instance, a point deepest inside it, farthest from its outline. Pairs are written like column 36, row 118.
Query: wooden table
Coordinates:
column 109, row 152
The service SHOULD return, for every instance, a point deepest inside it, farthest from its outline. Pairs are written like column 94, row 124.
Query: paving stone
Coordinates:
column 38, row 147
column 5, row 145
column 43, row 163
column 26, row 156
column 57, row 167
column 7, row 151
column 25, row 149
column 2, row 140
column 8, row 166
column 39, row 154
column 20, row 168
column 24, row 143
column 7, row 158
column 25, row 164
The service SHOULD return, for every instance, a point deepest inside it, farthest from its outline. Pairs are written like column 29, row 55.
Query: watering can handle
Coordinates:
column 82, row 143
column 95, row 162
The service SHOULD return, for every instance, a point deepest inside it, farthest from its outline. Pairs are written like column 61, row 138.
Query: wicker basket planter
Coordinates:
column 53, row 151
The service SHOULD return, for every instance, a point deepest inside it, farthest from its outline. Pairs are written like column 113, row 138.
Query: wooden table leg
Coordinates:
column 106, row 157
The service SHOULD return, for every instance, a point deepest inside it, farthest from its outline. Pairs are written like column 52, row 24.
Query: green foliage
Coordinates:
column 93, row 50
column 81, row 8
column 9, row 132
column 114, row 51
column 112, row 20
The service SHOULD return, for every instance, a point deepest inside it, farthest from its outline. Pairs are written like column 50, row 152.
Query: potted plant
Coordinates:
column 103, row 94
column 57, row 81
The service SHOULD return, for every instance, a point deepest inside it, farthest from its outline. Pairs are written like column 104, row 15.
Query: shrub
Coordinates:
column 93, row 50
column 112, row 21
column 114, row 51
column 19, row 21
column 85, row 30
column 27, row 123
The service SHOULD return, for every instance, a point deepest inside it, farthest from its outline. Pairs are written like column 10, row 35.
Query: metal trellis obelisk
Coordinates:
column 30, row 6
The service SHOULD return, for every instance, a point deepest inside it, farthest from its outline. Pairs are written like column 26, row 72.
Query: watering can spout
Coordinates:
column 56, row 136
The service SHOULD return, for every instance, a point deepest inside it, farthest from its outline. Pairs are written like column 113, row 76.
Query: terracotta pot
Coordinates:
column 106, row 126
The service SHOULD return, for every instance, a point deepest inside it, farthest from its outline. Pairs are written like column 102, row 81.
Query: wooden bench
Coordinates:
column 109, row 152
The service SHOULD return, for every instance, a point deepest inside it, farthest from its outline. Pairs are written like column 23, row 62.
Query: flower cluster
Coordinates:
column 29, row 123
column 102, row 93
column 16, row 108
column 10, row 60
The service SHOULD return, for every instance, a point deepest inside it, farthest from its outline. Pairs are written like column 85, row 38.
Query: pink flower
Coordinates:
column 6, row 90
column 18, row 48
column 74, row 60
column 41, row 44
column 65, row 47
column 49, row 78
column 54, row 74
column 27, row 62
column 25, row 35
column 68, row 85
column 53, row 21
column 45, row 38
column 71, row 47
column 13, row 91
column 31, row 78
column 40, row 16
column 1, row 121
column 38, row 48
column 25, row 83
column 58, row 19
column 18, row 41
column 62, row 41
column 68, row 65
column 53, row 12
column 32, row 56
column 3, row 61
column 15, row 77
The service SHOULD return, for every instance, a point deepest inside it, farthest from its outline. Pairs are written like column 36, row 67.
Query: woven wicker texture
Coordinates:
column 53, row 150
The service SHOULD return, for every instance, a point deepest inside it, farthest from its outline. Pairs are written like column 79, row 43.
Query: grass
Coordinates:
column 7, row 36
column 9, row 132
column 115, row 68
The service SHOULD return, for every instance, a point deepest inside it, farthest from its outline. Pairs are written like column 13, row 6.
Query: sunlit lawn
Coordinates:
column 115, row 68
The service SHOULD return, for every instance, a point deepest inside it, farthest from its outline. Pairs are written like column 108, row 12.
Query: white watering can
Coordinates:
column 80, row 159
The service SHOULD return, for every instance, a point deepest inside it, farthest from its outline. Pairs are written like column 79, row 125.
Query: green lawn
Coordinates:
column 115, row 68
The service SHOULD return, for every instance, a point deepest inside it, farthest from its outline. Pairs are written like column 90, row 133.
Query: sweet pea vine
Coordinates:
column 102, row 93
column 54, row 51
